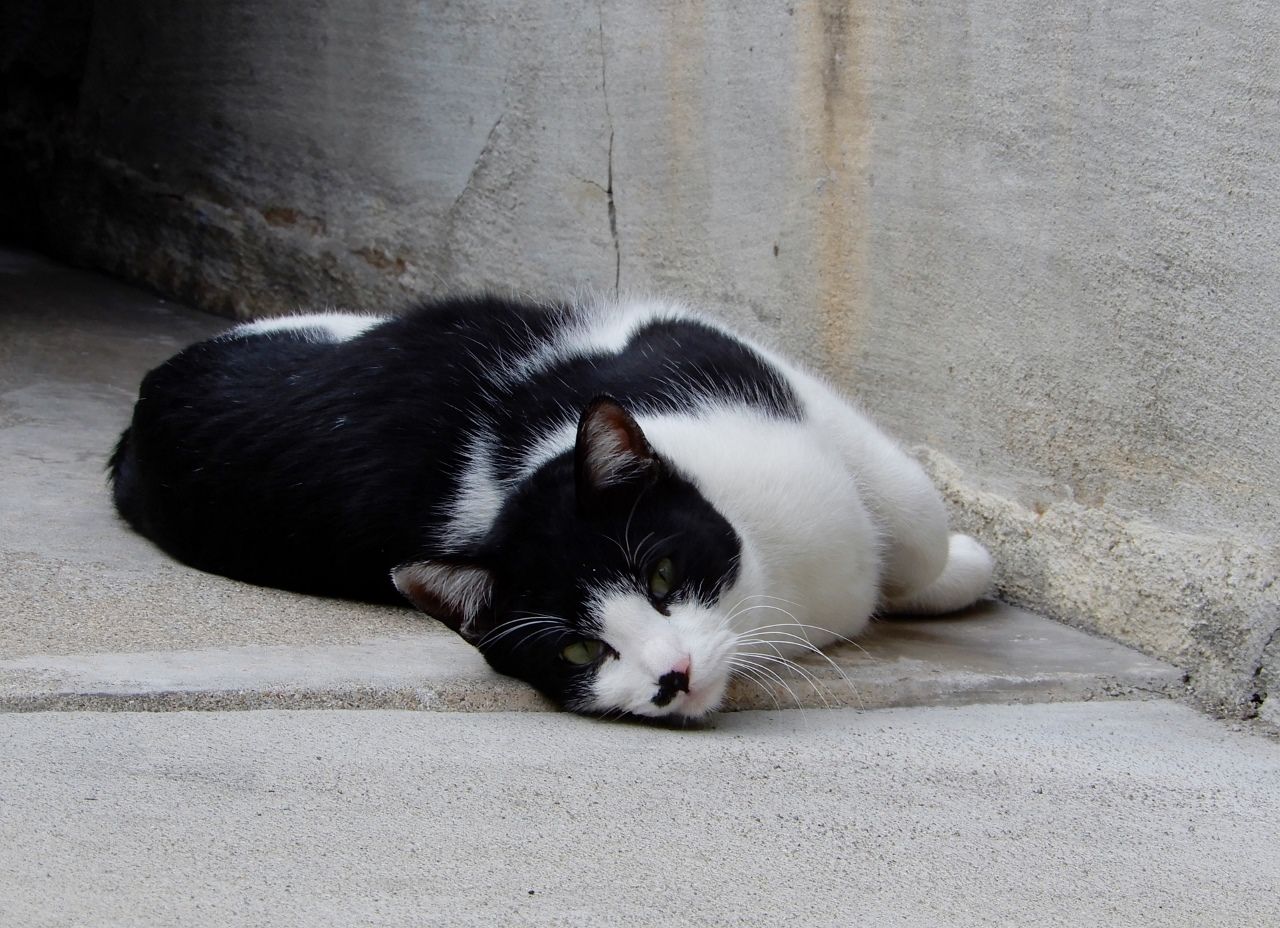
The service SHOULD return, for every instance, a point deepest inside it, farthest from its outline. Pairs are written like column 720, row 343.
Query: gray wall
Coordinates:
column 1037, row 239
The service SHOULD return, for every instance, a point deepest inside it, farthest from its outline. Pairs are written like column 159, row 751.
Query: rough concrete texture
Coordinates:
column 1135, row 814
column 1269, row 681
column 1036, row 240
column 1079, row 559
column 92, row 616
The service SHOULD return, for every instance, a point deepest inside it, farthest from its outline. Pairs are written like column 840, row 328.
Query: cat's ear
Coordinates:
column 457, row 594
column 611, row 448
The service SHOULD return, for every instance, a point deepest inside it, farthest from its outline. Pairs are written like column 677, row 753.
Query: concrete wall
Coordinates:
column 1037, row 239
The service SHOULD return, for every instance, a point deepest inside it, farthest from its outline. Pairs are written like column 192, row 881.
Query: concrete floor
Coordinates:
column 1115, row 806
column 1106, row 813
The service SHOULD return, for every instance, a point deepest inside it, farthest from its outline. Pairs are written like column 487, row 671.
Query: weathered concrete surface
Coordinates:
column 1135, row 814
column 1204, row 601
column 1038, row 241
column 1269, row 681
column 92, row 616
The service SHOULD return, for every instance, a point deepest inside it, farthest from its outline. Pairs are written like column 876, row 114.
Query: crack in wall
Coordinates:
column 608, row 190
column 613, row 222
column 1263, row 684
column 475, row 169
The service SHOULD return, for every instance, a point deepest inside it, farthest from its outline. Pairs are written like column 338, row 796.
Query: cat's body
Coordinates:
column 619, row 502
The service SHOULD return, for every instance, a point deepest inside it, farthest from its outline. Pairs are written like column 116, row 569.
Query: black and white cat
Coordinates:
column 619, row 502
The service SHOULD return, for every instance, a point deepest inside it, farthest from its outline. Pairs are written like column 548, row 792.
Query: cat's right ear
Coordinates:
column 610, row 450
column 457, row 594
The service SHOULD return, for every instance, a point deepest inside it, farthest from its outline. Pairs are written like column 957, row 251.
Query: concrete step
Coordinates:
column 94, row 617
column 996, row 653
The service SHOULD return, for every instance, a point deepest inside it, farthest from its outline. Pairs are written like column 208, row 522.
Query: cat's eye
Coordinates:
column 663, row 579
column 583, row 652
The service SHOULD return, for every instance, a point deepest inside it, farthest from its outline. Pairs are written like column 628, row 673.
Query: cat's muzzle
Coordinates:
column 669, row 684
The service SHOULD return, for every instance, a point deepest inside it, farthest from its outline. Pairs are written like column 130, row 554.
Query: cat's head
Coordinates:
column 607, row 581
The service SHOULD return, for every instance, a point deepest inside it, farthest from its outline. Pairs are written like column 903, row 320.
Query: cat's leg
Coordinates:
column 964, row 580
column 925, row 568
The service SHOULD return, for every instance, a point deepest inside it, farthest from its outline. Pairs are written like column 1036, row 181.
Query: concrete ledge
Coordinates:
column 393, row 672
column 995, row 653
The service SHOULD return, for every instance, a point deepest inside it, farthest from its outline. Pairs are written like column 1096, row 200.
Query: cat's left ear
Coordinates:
column 611, row 448
column 458, row 595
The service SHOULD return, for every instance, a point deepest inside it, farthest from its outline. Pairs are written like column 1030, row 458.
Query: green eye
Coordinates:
column 662, row 579
column 583, row 652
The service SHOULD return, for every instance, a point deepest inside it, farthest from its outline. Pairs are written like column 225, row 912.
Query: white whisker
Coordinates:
column 644, row 552
column 783, row 683
column 613, row 541
column 548, row 622
column 638, row 558
column 749, row 672
column 795, row 668
column 789, row 602
column 826, row 631
column 777, row 635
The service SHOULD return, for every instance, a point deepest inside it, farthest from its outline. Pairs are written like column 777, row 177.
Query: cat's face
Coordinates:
column 607, row 581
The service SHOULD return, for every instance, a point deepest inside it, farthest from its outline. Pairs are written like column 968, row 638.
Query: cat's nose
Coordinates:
column 673, row 681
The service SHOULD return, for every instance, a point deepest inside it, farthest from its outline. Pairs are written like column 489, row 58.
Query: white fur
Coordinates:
column 964, row 580
column 479, row 500
column 556, row 441
column 599, row 327
column 481, row 494
column 900, row 497
column 318, row 327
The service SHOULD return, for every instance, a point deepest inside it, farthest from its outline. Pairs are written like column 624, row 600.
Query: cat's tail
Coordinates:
column 125, row 486
column 964, row 581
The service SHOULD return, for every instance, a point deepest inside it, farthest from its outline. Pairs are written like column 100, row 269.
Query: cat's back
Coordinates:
column 653, row 356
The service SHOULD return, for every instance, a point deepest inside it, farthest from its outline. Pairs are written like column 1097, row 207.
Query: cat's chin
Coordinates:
column 699, row 703
column 699, row 707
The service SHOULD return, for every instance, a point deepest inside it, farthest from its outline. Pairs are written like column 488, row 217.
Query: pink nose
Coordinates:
column 683, row 666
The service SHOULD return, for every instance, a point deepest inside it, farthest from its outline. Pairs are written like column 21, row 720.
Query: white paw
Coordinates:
column 965, row 580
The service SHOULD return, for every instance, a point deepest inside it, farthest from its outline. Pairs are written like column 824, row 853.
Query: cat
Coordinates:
column 617, row 500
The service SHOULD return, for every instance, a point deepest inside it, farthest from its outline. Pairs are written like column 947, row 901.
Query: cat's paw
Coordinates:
column 965, row 580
